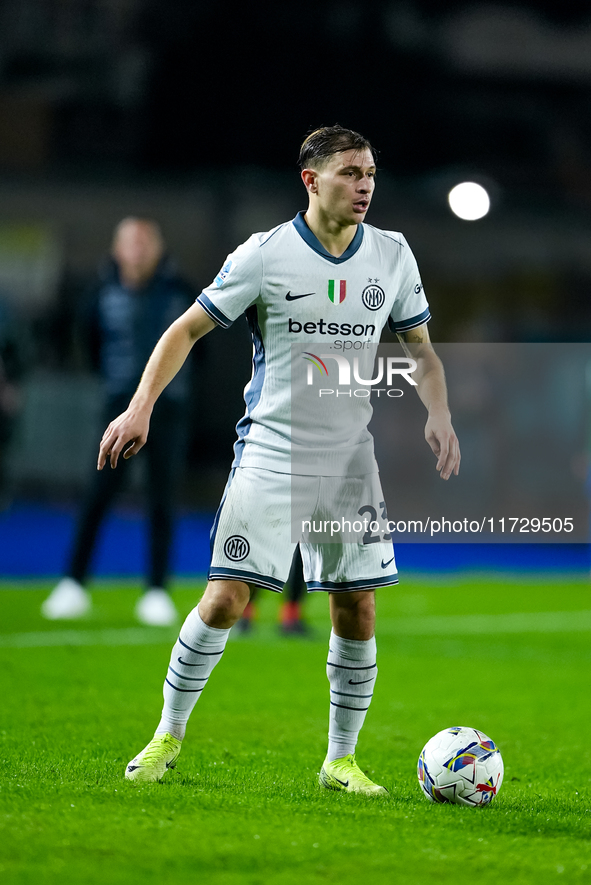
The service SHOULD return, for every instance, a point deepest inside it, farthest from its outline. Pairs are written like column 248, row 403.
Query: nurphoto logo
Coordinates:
column 388, row 369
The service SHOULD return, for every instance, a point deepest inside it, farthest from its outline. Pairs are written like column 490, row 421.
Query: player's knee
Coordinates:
column 360, row 602
column 223, row 602
column 353, row 614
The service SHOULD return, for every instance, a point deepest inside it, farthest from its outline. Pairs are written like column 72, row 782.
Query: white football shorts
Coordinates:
column 339, row 522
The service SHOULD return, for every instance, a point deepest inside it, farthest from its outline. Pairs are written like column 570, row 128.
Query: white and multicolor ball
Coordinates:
column 460, row 765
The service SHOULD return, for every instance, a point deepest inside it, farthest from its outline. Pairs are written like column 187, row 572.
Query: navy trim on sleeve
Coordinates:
column 412, row 323
column 314, row 243
column 214, row 312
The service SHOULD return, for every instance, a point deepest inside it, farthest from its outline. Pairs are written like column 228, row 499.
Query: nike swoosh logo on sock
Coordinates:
column 187, row 664
column 360, row 683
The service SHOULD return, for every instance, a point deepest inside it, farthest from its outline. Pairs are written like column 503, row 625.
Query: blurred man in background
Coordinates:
column 13, row 359
column 136, row 298
column 291, row 620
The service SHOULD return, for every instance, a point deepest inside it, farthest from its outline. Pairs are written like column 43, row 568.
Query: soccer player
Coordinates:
column 136, row 296
column 285, row 282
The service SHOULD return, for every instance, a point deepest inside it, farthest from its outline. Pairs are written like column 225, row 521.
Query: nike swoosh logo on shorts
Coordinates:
column 290, row 297
column 386, row 564
column 360, row 683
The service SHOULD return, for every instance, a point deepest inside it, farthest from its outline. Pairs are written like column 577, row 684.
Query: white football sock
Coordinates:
column 351, row 669
column 194, row 655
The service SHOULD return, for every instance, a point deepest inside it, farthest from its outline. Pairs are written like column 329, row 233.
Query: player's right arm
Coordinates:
column 234, row 289
column 167, row 358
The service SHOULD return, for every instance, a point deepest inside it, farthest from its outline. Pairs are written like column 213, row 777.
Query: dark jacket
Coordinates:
column 121, row 326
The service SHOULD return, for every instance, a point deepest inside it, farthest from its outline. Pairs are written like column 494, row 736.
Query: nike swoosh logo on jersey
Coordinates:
column 386, row 564
column 360, row 683
column 290, row 297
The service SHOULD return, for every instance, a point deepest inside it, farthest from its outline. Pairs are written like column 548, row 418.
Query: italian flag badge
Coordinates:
column 337, row 291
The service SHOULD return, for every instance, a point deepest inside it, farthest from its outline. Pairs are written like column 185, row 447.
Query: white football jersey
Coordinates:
column 294, row 292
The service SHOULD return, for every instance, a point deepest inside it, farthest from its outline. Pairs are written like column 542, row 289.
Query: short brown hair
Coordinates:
column 321, row 144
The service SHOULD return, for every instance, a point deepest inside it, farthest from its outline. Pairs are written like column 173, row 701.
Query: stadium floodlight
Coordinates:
column 469, row 201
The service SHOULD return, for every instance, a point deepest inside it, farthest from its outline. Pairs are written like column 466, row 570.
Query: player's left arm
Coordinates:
column 432, row 389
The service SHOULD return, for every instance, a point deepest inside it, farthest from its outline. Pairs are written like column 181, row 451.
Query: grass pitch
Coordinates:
column 509, row 657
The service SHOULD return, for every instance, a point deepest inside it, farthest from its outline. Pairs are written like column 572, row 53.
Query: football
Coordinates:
column 460, row 765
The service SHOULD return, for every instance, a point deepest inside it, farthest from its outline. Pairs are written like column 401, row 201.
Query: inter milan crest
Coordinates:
column 236, row 548
column 373, row 296
column 337, row 291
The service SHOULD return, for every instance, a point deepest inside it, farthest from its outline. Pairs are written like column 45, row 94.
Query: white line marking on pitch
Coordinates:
column 123, row 636
column 516, row 622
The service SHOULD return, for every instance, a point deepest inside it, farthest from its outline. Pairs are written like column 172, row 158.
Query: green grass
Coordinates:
column 243, row 806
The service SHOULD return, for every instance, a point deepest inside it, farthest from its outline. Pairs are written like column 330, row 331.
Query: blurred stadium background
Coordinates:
column 192, row 114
